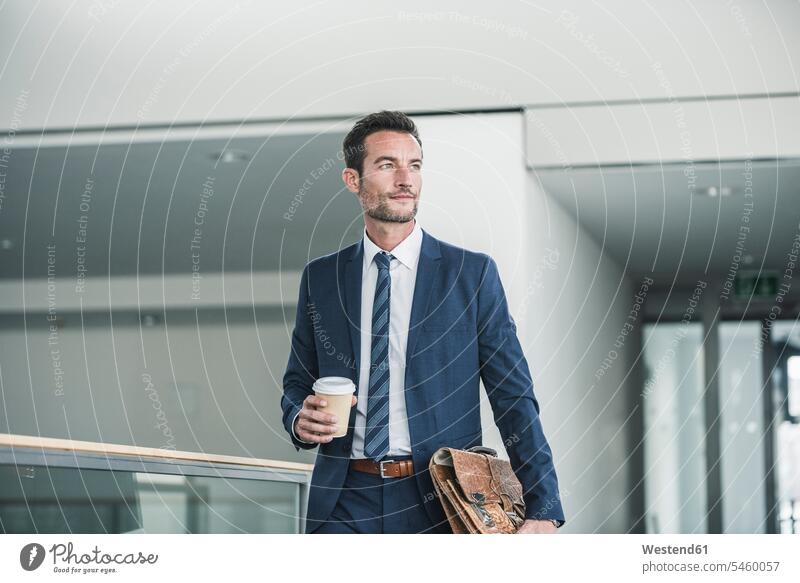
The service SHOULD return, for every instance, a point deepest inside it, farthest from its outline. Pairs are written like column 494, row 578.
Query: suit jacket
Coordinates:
column 460, row 332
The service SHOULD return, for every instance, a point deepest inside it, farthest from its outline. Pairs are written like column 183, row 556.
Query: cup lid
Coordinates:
column 334, row 386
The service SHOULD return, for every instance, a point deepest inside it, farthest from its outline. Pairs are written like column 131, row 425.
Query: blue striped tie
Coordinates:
column 376, row 441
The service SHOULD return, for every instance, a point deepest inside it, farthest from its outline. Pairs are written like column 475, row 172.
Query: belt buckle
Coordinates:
column 380, row 464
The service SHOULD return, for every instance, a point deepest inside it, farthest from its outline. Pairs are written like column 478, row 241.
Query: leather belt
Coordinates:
column 385, row 469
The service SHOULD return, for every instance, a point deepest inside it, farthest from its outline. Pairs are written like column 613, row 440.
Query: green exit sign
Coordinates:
column 755, row 285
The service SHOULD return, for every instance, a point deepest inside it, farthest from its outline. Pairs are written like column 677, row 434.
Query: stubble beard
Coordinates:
column 382, row 212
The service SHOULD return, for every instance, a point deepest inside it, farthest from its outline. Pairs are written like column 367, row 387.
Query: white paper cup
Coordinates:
column 338, row 392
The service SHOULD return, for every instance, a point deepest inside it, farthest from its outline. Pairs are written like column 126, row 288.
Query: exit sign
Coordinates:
column 755, row 285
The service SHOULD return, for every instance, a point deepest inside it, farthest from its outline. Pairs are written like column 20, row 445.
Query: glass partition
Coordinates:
column 741, row 387
column 60, row 492
column 786, row 401
column 672, row 397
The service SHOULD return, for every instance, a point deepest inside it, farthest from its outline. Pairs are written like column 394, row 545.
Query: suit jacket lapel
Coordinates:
column 353, row 268
column 427, row 271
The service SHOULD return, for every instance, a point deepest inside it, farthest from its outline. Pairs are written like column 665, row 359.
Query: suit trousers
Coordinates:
column 370, row 504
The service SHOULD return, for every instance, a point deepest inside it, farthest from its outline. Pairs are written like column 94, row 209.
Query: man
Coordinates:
column 415, row 323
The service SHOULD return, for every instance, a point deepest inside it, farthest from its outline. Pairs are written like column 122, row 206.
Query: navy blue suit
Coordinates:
column 460, row 332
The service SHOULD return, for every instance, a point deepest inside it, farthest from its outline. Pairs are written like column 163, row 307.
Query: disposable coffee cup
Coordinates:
column 338, row 392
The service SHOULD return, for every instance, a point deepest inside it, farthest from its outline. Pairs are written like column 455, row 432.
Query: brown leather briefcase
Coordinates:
column 479, row 492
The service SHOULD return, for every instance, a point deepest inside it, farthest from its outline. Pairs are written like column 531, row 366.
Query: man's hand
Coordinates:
column 531, row 526
column 314, row 425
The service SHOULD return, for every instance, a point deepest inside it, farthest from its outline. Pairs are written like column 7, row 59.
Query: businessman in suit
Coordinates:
column 415, row 323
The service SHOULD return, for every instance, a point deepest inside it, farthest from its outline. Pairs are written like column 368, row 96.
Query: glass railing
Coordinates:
column 63, row 486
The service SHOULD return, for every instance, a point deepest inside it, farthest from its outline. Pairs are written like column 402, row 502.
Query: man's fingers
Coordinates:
column 318, row 427
column 319, row 416
column 313, row 437
column 316, row 432
column 315, row 401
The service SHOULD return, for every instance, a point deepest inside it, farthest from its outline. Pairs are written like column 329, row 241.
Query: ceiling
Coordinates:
column 647, row 218
column 145, row 199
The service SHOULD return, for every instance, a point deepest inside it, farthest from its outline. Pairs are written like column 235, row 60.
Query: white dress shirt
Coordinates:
column 403, row 272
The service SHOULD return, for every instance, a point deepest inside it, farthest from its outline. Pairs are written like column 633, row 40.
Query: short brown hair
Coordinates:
column 353, row 145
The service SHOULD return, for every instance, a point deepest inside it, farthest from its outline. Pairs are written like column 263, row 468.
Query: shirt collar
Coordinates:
column 407, row 251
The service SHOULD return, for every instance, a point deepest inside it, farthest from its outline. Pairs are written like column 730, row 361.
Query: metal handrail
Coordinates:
column 31, row 441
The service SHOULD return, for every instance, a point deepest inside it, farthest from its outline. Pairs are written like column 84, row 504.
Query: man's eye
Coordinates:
column 387, row 165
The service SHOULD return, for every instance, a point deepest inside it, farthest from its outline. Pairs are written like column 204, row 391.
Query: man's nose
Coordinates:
column 403, row 177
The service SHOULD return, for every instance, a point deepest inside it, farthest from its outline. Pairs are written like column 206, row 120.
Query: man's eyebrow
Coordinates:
column 393, row 159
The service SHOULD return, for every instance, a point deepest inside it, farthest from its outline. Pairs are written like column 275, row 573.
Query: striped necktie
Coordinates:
column 376, row 441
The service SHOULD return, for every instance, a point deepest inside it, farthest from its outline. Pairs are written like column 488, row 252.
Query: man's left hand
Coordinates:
column 531, row 526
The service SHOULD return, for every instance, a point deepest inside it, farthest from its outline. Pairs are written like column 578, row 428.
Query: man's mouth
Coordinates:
column 402, row 196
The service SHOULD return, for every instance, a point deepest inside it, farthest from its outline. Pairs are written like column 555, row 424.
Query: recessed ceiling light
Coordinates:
column 714, row 191
column 150, row 320
column 230, row 156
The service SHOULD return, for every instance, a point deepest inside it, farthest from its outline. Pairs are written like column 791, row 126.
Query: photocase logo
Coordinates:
column 31, row 556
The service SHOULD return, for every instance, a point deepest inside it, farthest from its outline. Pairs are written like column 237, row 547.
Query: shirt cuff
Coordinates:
column 295, row 435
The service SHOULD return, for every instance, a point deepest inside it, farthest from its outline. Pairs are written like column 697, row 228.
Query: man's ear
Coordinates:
column 352, row 180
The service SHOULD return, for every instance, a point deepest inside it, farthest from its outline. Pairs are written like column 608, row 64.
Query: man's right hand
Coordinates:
column 315, row 425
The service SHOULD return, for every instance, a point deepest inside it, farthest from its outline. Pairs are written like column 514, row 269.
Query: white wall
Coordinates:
column 574, row 321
